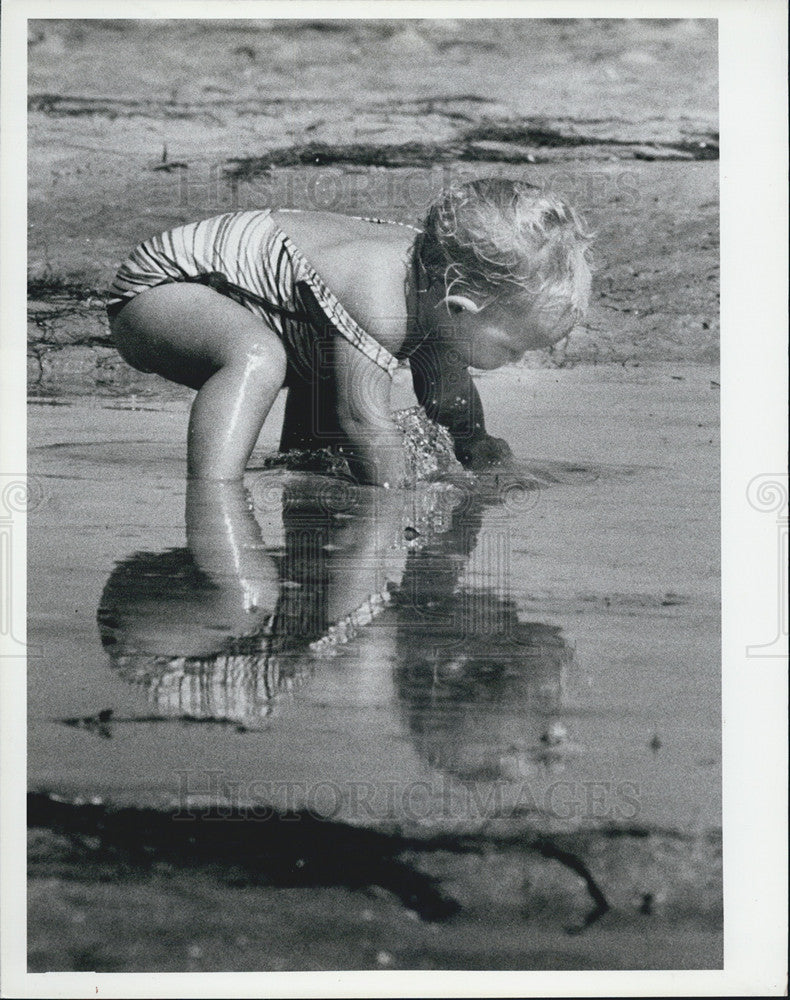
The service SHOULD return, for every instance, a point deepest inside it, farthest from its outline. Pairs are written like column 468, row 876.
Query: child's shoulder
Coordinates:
column 362, row 262
column 314, row 230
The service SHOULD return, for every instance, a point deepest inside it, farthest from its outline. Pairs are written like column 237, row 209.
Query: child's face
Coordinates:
column 501, row 332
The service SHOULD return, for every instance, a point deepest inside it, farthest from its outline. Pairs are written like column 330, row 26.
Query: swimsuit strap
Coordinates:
column 351, row 625
column 379, row 354
column 387, row 222
column 335, row 312
column 364, row 218
column 220, row 283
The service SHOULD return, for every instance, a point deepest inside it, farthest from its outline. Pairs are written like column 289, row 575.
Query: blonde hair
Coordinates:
column 509, row 238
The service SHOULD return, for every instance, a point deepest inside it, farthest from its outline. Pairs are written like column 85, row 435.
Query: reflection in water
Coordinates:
column 226, row 627
column 161, row 622
column 480, row 690
column 219, row 629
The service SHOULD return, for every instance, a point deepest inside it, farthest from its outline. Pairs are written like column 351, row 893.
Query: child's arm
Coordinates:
column 363, row 411
column 444, row 386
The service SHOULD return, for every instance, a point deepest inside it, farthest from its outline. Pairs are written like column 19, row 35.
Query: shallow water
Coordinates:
column 535, row 653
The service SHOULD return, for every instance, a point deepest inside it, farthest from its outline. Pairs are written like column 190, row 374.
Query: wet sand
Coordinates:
column 546, row 696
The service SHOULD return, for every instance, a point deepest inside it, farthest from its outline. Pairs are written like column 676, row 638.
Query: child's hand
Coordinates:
column 484, row 453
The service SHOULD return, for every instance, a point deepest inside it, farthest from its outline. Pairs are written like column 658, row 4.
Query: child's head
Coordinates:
column 508, row 249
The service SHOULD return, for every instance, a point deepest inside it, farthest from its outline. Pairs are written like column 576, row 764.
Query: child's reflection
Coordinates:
column 218, row 629
column 480, row 689
column 221, row 629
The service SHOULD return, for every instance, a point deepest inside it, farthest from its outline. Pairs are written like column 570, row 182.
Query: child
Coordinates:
column 240, row 305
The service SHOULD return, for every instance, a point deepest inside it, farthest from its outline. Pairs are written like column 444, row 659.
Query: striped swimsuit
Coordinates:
column 247, row 257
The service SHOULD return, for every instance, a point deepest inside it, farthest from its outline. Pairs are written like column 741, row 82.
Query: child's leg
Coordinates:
column 192, row 335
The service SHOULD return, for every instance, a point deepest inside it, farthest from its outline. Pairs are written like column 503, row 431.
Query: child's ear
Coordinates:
column 456, row 304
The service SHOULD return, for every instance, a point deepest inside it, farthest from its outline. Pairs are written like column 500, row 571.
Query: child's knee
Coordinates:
column 261, row 357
